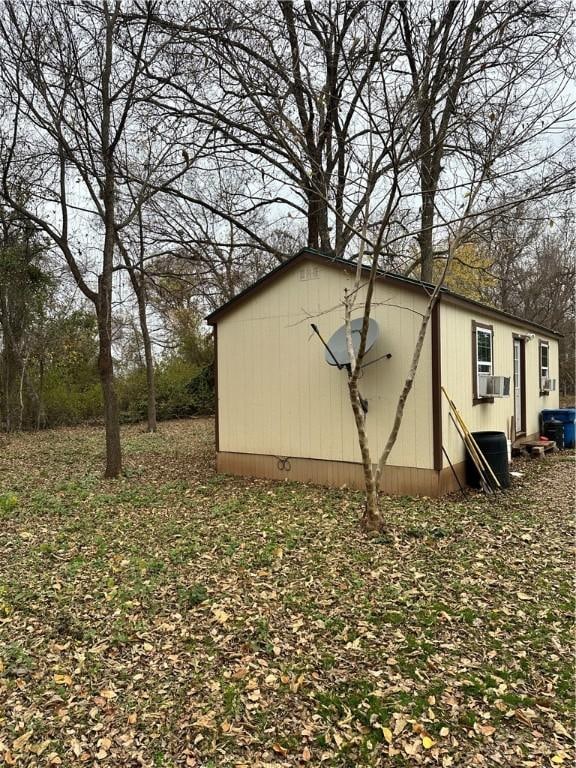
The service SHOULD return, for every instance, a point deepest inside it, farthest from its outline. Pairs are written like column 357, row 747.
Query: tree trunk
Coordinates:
column 21, row 396
column 313, row 222
column 147, row 344
column 7, row 399
column 138, row 281
column 7, row 377
column 318, row 233
column 428, row 193
column 372, row 520
column 104, row 297
column 41, row 415
column 16, row 376
column 9, row 365
column 425, row 238
column 111, row 415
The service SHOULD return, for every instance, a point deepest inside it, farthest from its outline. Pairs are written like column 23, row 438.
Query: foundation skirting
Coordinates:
column 396, row 481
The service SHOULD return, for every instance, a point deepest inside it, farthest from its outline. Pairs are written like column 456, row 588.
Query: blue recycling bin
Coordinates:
column 568, row 417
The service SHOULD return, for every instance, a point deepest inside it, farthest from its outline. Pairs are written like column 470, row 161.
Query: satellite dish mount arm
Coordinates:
column 336, row 363
column 348, row 366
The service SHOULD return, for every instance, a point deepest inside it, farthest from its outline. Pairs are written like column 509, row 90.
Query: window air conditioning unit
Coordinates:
column 548, row 385
column 493, row 386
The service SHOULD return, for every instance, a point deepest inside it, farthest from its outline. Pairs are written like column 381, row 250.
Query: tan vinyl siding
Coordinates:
column 277, row 395
column 456, row 325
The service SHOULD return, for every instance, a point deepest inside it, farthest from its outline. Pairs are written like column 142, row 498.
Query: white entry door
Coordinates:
column 518, row 387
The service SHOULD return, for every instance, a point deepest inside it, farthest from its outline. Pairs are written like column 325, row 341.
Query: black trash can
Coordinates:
column 494, row 447
column 554, row 430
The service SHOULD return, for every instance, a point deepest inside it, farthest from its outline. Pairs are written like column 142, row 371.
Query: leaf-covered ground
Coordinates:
column 176, row 617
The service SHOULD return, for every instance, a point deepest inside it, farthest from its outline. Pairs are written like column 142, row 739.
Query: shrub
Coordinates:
column 202, row 390
column 65, row 403
column 182, row 390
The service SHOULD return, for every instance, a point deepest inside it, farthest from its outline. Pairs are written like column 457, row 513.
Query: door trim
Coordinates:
column 516, row 337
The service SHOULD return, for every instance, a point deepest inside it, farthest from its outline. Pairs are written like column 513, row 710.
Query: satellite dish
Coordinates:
column 337, row 348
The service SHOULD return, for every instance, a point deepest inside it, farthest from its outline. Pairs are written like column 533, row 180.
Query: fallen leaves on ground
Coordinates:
column 174, row 617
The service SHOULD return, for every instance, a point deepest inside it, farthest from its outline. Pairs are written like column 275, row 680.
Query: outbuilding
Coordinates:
column 283, row 412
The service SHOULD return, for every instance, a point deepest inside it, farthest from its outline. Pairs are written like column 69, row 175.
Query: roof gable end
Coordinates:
column 309, row 254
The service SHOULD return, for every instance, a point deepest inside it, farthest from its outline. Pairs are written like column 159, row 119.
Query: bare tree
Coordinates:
column 470, row 67
column 285, row 92
column 80, row 127
column 198, row 251
column 280, row 92
column 134, row 262
column 533, row 270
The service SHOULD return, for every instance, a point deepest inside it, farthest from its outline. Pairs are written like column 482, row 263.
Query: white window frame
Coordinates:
column 482, row 368
column 544, row 370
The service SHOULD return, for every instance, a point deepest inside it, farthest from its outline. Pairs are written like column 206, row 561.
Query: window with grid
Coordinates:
column 484, row 358
column 544, row 363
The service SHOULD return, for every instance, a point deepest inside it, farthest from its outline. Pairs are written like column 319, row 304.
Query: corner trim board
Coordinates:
column 438, row 459
column 217, row 400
